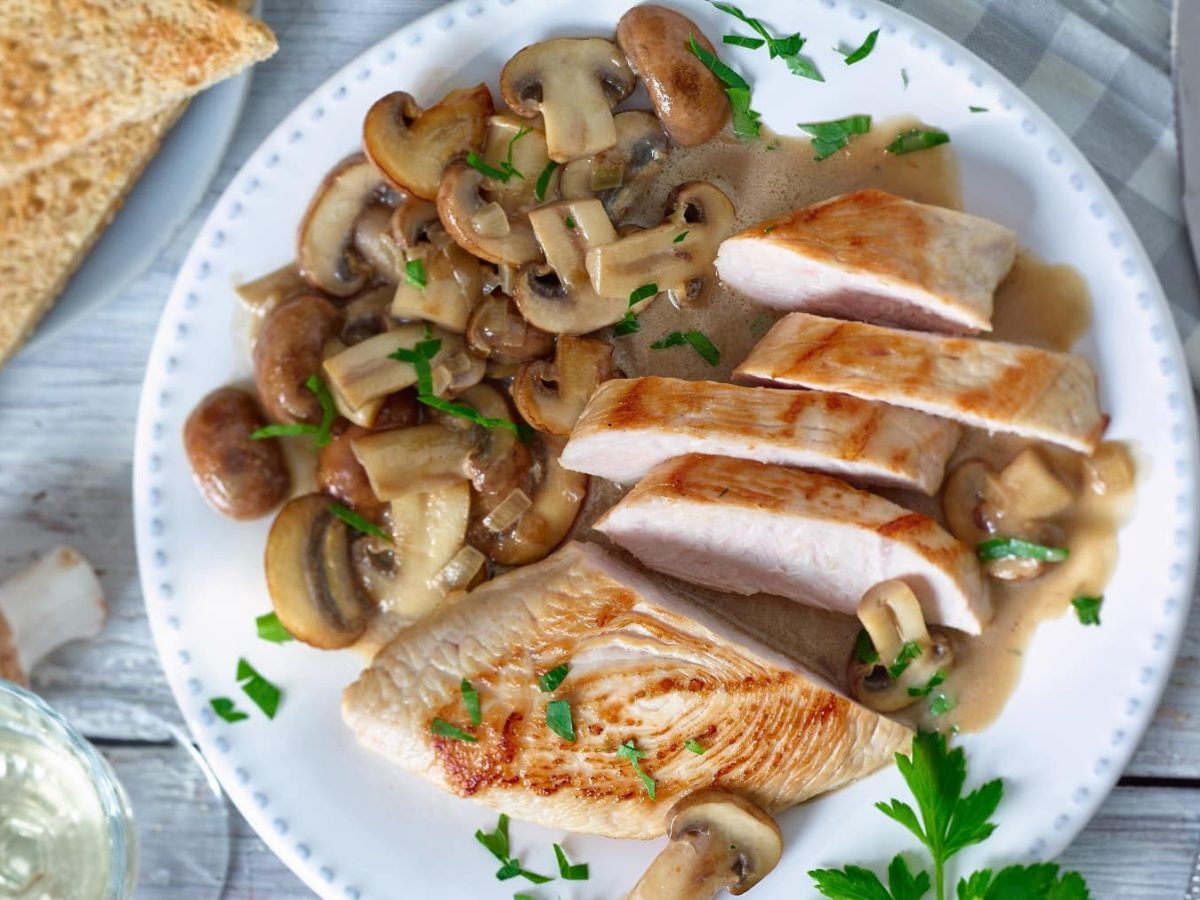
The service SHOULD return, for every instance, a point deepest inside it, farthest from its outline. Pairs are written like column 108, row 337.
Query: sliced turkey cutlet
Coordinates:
column 632, row 425
column 1011, row 388
column 748, row 527
column 645, row 667
column 876, row 257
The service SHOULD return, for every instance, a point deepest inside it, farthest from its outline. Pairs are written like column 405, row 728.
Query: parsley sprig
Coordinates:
column 630, row 752
column 496, row 843
column 945, row 821
column 786, row 48
column 322, row 433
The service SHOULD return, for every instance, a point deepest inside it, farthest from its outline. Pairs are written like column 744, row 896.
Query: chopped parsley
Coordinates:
column 907, row 654
column 637, row 295
column 543, row 181
column 558, row 718
column 697, row 340
column 630, row 751
column 322, row 433
column 504, row 170
column 358, row 523
column 496, row 843
column 977, row 109
column 266, row 696
column 1087, row 609
column 549, row 681
column 442, row 728
column 904, row 77
column 569, row 221
column 863, row 51
column 746, row 123
column 945, row 822
column 738, row 40
column 227, row 709
column 1007, row 548
column 695, row 747
column 269, row 628
column 786, row 48
column 628, row 325
column 938, row 677
column 864, row 648
column 568, row 872
column 678, row 239
column 916, row 139
column 414, row 274
column 471, row 701
column 830, row 137
column 941, row 703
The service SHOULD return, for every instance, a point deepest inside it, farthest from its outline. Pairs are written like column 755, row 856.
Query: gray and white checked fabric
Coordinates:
column 1101, row 70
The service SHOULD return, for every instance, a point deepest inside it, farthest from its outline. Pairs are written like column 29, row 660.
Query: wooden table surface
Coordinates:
column 67, row 418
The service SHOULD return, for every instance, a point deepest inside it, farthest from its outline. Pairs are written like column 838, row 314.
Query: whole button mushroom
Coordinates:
column 288, row 350
column 574, row 83
column 688, row 98
column 718, row 841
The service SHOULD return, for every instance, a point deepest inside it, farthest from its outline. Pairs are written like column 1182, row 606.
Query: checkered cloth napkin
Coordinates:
column 1101, row 69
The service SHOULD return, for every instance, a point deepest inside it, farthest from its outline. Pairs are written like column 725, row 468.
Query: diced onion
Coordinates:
column 508, row 513
column 607, row 175
column 508, row 278
column 491, row 221
column 461, row 570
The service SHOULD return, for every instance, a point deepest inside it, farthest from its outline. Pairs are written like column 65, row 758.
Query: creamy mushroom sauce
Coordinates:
column 1038, row 303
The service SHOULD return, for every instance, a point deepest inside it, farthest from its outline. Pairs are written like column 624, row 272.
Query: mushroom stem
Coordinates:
column 56, row 600
column 892, row 616
column 682, row 872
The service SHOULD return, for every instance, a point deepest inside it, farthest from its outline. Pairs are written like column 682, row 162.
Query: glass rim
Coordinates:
column 114, row 802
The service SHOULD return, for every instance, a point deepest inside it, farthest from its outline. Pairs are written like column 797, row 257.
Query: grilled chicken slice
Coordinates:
column 998, row 387
column 632, row 425
column 748, row 527
column 644, row 667
column 876, row 257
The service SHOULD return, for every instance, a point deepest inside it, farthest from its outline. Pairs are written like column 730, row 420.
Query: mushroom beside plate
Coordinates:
column 202, row 575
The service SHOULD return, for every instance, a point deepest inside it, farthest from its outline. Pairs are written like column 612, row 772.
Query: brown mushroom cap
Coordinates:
column 689, row 99
column 287, row 351
column 325, row 248
column 411, row 146
column 574, row 83
column 459, row 198
column 551, row 395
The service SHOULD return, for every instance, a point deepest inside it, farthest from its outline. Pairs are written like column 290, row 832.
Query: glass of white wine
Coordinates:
column 66, row 830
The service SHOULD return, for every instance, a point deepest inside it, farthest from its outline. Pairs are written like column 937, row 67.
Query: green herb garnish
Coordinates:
column 786, row 48
column 864, row 649
column 569, row 221
column 916, row 139
column 627, row 325
column 977, row 109
column 358, row 523
column 505, row 169
column 863, row 51
column 695, row 746
column 442, row 728
column 568, row 872
column 496, row 843
column 738, row 40
column 271, row 629
column 678, row 239
column 745, row 120
column 322, row 433
column 637, row 295
column 1007, row 548
column 548, row 681
column 938, row 677
column 227, row 709
column 830, row 137
column 558, row 718
column 904, row 77
column 907, row 654
column 414, row 274
column 698, row 341
column 1087, row 609
column 941, row 704
column 543, row 181
column 265, row 695
column 471, row 701
column 945, row 821
column 630, row 751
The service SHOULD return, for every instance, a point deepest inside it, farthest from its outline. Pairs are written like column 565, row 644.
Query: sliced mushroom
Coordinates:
column 498, row 463
column 719, row 841
column 557, row 495
column 460, row 199
column 288, row 351
column 574, row 83
column 408, row 460
column 891, row 614
column 698, row 211
column 375, row 244
column 558, row 296
column 429, row 529
column 56, row 600
column 263, row 293
column 326, row 252
column 551, row 395
column 453, row 286
column 341, row 476
column 622, row 173
column 968, row 506
column 412, row 222
column 688, row 97
column 498, row 331
column 411, row 146
column 519, row 142
column 366, row 315
column 311, row 576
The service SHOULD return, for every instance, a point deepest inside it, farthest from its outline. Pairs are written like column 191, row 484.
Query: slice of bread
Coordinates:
column 73, row 70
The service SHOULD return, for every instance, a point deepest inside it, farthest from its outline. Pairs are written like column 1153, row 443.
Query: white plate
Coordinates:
column 168, row 190
column 350, row 824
